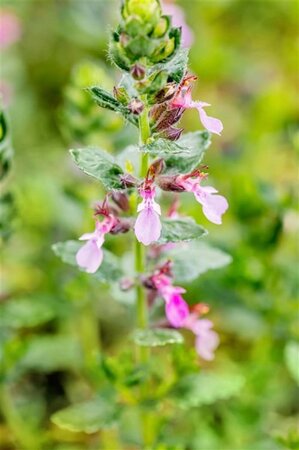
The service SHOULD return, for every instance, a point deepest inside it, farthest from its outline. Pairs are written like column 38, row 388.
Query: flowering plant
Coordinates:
column 152, row 95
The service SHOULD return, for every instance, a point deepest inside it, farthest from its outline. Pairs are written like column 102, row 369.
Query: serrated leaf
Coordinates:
column 106, row 100
column 291, row 355
column 181, row 156
column 87, row 417
column 109, row 269
column 180, row 230
column 51, row 353
column 206, row 388
column 26, row 313
column 99, row 164
column 176, row 67
column 157, row 337
column 192, row 260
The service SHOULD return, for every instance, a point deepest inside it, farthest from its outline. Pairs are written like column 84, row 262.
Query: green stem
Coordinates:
column 141, row 303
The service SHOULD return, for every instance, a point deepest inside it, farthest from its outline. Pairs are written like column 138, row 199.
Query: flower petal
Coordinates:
column 176, row 311
column 147, row 226
column 90, row 257
column 206, row 344
column 213, row 208
column 210, row 123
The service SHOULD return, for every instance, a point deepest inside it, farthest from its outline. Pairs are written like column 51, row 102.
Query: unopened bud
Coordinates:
column 170, row 117
column 138, row 72
column 136, row 106
column 128, row 180
column 121, row 200
column 169, row 183
column 122, row 225
column 156, row 168
column 171, row 133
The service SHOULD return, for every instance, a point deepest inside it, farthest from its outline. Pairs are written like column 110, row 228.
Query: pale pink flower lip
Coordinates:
column 207, row 340
column 183, row 99
column 90, row 256
column 176, row 308
column 148, row 226
column 213, row 206
column 10, row 28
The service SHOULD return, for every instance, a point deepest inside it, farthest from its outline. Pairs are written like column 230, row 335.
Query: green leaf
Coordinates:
column 99, row 164
column 176, row 67
column 181, row 156
column 206, row 388
column 157, row 337
column 87, row 417
column 109, row 269
column 106, row 100
column 179, row 230
column 6, row 151
column 26, row 312
column 291, row 355
column 192, row 260
column 51, row 353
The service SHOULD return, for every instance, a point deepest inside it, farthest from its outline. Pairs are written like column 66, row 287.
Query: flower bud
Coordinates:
column 122, row 225
column 156, row 167
column 138, row 71
column 166, row 93
column 148, row 11
column 128, row 180
column 171, row 133
column 136, row 106
column 169, row 118
column 169, row 183
column 121, row 200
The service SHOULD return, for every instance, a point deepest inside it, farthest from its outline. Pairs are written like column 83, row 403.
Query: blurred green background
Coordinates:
column 245, row 55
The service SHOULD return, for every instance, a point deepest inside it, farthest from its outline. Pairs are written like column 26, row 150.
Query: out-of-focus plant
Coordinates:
column 152, row 95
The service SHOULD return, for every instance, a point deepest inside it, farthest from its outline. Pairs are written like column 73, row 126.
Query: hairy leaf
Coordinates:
column 109, row 269
column 157, row 337
column 192, row 260
column 87, row 417
column 100, row 165
column 206, row 388
column 181, row 156
column 176, row 67
column 106, row 100
column 180, row 230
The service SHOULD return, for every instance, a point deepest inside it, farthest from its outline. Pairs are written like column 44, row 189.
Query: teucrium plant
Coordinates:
column 152, row 95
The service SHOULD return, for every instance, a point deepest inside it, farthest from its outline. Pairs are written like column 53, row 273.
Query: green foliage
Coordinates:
column 192, row 260
column 26, row 312
column 157, row 337
column 181, row 156
column 180, row 230
column 100, row 165
column 291, row 355
column 6, row 151
column 106, row 100
column 109, row 269
column 87, row 417
column 51, row 353
column 207, row 388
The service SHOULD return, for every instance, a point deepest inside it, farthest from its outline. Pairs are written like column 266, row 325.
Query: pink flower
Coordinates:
column 10, row 29
column 184, row 100
column 90, row 256
column 178, row 20
column 148, row 226
column 213, row 206
column 176, row 308
column 206, row 340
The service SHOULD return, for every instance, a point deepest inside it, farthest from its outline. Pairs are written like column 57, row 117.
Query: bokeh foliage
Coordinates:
column 54, row 320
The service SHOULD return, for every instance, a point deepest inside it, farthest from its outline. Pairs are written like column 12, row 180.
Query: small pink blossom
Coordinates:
column 176, row 308
column 179, row 20
column 207, row 340
column 148, row 226
column 90, row 255
column 10, row 28
column 183, row 99
column 213, row 206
